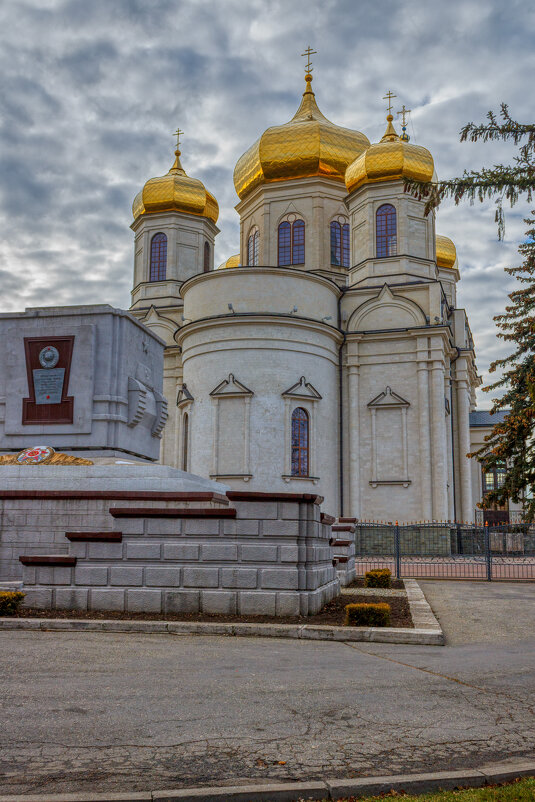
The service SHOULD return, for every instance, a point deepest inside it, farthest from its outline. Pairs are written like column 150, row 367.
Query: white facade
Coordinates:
column 375, row 352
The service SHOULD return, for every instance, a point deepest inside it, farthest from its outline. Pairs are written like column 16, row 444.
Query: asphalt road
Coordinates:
column 113, row 712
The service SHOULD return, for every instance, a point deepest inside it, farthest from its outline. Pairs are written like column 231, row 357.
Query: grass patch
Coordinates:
column 518, row 791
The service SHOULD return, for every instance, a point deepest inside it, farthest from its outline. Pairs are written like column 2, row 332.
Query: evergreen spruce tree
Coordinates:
column 511, row 443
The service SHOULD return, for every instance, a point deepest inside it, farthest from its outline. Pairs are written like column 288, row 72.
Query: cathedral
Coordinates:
column 329, row 355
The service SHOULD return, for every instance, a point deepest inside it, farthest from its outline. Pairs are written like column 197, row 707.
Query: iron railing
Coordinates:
column 447, row 550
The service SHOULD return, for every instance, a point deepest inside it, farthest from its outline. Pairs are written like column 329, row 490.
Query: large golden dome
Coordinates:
column 389, row 159
column 308, row 145
column 446, row 252
column 175, row 192
column 232, row 261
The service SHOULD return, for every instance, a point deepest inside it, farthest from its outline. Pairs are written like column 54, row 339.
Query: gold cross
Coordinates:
column 178, row 133
column 389, row 97
column 404, row 112
column 309, row 52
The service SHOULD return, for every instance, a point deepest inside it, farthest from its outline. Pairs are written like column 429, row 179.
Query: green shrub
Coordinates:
column 10, row 601
column 380, row 578
column 367, row 615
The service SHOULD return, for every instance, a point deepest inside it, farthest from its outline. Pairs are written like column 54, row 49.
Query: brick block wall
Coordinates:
column 273, row 558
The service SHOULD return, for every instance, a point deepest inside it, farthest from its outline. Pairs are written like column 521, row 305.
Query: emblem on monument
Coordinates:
column 49, row 357
column 35, row 456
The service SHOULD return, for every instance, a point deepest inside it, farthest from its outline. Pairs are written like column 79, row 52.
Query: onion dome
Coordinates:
column 175, row 192
column 232, row 261
column 446, row 253
column 308, row 145
column 390, row 159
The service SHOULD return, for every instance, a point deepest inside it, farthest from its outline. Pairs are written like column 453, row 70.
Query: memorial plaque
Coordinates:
column 48, row 384
column 48, row 364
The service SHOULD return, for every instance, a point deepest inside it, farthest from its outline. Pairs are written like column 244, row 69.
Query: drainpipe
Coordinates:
column 340, row 406
column 452, row 436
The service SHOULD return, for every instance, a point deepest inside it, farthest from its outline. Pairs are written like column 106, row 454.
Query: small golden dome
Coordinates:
column 446, row 253
column 390, row 159
column 175, row 192
column 232, row 261
column 308, row 145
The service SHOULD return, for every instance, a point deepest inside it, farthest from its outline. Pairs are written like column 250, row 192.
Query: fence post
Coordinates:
column 396, row 551
column 488, row 555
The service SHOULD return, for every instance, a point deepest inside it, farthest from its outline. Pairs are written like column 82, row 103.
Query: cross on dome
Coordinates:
column 389, row 95
column 178, row 133
column 309, row 52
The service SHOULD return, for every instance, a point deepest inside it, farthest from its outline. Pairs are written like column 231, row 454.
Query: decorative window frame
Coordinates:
column 254, row 231
column 301, row 394
column 378, row 206
column 292, row 217
column 232, row 388
column 388, row 399
column 342, row 220
column 184, row 402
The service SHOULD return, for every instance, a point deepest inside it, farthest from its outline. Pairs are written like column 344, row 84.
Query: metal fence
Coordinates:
column 447, row 550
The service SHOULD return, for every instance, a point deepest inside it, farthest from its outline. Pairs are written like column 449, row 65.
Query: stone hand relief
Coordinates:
column 146, row 405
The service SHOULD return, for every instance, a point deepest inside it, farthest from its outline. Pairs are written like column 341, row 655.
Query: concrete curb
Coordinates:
column 426, row 632
column 490, row 774
column 427, row 637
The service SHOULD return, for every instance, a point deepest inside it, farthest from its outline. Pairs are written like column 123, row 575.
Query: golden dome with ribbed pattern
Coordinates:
column 390, row 159
column 232, row 261
column 308, row 145
column 446, row 252
column 175, row 192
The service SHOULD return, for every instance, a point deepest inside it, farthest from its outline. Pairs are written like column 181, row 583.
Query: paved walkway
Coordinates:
column 483, row 612
column 128, row 712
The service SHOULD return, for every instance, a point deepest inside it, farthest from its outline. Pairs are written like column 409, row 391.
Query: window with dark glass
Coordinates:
column 340, row 243
column 185, row 436
column 206, row 257
column 494, row 478
column 300, row 439
column 386, row 230
column 252, row 248
column 336, row 243
column 292, row 243
column 158, row 257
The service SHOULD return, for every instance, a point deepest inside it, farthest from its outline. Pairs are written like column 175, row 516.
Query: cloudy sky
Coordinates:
column 92, row 90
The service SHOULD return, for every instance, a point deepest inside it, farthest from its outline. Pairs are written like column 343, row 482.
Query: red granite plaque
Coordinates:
column 48, row 365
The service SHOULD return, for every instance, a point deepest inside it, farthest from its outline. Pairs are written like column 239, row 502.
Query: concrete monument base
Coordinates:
column 150, row 538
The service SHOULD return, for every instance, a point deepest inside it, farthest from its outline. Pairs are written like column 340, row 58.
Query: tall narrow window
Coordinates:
column 386, row 230
column 206, row 257
column 336, row 243
column 300, row 438
column 292, row 242
column 185, row 438
column 252, row 247
column 285, row 244
column 340, row 243
column 345, row 245
column 158, row 257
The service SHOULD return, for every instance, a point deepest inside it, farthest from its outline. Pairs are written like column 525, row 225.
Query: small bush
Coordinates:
column 367, row 615
column 378, row 579
column 10, row 601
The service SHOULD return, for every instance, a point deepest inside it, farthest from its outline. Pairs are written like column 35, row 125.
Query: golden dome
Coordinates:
column 308, row 145
column 175, row 192
column 232, row 261
column 446, row 253
column 389, row 159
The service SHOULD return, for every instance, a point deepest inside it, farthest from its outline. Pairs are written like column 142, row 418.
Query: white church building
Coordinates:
column 329, row 355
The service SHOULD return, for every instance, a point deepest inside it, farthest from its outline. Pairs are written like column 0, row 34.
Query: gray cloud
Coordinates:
column 92, row 92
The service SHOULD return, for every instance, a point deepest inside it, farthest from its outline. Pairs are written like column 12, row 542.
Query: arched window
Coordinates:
column 206, row 257
column 291, row 242
column 252, row 247
column 340, row 243
column 158, row 257
column 386, row 230
column 300, row 438
column 185, row 436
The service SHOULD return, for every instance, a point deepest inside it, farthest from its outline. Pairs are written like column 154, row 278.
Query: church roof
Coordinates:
column 177, row 192
column 391, row 158
column 484, row 418
column 308, row 145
